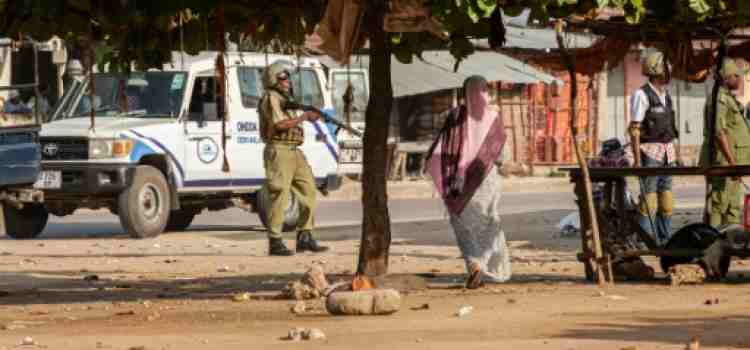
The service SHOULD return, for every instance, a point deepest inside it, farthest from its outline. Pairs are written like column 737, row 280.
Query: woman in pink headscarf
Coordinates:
column 461, row 163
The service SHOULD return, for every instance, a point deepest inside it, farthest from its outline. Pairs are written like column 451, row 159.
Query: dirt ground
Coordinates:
column 176, row 292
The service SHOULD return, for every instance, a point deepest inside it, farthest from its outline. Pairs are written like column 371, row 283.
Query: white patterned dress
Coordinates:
column 479, row 232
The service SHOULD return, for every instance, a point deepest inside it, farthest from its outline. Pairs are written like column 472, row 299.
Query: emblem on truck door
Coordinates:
column 208, row 150
column 51, row 149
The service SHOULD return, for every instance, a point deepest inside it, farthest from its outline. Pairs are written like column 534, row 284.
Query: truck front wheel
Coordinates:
column 25, row 223
column 144, row 207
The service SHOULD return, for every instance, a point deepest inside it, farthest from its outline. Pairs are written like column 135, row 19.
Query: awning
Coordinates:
column 435, row 73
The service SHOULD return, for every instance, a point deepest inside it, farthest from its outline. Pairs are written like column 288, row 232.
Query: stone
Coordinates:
column 686, row 274
column 28, row 341
column 299, row 308
column 241, row 297
column 313, row 285
column 316, row 278
column 295, row 334
column 313, row 334
column 464, row 311
column 299, row 291
column 366, row 302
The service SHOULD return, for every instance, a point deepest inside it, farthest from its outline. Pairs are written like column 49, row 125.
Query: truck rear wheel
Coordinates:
column 25, row 223
column 180, row 220
column 143, row 207
column 291, row 214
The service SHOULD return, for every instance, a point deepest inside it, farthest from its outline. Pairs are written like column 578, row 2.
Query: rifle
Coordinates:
column 326, row 117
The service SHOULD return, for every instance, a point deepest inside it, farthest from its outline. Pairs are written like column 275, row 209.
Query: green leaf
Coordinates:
column 487, row 6
column 700, row 7
column 602, row 3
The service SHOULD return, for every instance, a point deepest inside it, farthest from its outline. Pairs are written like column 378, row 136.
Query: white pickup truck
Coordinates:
column 154, row 156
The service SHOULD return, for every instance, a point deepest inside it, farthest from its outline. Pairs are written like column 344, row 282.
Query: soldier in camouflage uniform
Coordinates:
column 287, row 169
column 731, row 145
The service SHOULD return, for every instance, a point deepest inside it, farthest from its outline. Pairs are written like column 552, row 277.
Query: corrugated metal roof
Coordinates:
column 436, row 71
column 543, row 38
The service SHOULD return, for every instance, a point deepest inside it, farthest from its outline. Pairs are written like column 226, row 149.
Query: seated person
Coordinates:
column 14, row 104
column 44, row 106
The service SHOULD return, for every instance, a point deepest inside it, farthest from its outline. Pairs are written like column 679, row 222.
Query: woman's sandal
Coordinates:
column 475, row 278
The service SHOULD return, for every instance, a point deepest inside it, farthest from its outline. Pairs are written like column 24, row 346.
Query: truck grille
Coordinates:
column 64, row 148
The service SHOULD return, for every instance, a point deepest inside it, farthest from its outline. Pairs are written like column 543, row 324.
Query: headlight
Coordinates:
column 103, row 149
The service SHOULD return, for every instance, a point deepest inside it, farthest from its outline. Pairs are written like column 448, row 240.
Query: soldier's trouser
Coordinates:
column 287, row 171
column 656, row 210
column 726, row 196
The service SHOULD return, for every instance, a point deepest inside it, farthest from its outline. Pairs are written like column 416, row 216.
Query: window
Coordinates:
column 151, row 94
column 359, row 105
column 251, row 86
column 305, row 86
column 203, row 98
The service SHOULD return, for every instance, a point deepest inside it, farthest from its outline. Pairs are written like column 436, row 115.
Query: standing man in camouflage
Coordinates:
column 731, row 145
column 287, row 169
column 652, row 130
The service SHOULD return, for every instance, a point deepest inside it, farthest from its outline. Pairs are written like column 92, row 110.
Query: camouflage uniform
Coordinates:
column 287, row 170
column 726, row 193
column 286, row 167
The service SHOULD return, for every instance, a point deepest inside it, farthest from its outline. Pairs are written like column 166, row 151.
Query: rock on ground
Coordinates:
column 367, row 302
column 316, row 278
column 313, row 334
column 686, row 274
column 295, row 334
column 313, row 285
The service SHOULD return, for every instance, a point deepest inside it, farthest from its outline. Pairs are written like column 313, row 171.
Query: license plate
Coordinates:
column 49, row 180
column 351, row 155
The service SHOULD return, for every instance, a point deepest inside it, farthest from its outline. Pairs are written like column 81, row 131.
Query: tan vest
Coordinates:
column 269, row 118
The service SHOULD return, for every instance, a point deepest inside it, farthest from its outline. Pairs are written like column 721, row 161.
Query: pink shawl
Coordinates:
column 473, row 137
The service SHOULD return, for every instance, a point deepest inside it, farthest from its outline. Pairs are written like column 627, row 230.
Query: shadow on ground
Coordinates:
column 66, row 287
column 718, row 332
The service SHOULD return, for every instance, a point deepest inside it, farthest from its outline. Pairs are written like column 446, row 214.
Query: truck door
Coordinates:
column 246, row 149
column 203, row 148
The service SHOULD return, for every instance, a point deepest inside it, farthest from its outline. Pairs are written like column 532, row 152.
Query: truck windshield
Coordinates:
column 151, row 94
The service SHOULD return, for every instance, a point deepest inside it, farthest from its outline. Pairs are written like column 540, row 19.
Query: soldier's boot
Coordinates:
column 276, row 247
column 306, row 242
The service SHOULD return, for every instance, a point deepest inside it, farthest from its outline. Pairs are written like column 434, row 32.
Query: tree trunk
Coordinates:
column 376, row 225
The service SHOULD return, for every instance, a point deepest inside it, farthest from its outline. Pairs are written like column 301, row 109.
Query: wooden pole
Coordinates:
column 221, row 83
column 532, row 126
column 625, row 109
column 601, row 266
